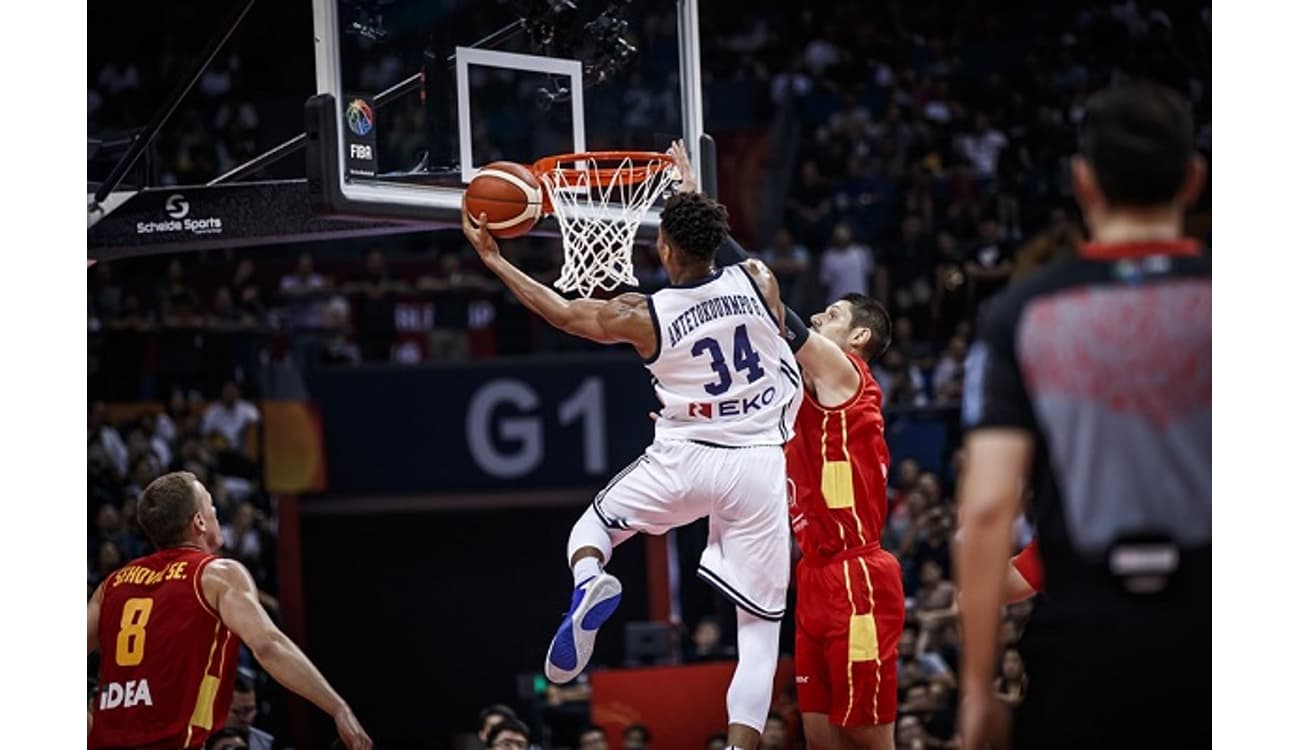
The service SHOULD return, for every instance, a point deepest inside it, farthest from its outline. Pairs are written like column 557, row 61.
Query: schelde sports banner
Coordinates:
column 501, row 425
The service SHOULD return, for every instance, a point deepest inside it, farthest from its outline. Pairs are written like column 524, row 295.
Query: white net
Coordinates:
column 599, row 203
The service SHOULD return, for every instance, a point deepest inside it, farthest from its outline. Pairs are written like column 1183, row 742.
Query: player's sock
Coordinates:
column 587, row 567
column 750, row 695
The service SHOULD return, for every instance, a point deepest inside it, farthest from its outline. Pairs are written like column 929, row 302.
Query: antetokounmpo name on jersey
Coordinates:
column 711, row 309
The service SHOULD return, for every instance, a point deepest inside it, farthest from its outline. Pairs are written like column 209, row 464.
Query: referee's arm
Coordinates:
column 999, row 450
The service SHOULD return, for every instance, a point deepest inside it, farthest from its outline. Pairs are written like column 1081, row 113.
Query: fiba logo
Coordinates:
column 360, row 117
column 177, row 207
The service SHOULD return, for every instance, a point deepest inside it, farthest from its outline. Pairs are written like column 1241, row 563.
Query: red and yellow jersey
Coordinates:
column 1030, row 565
column 837, row 463
column 167, row 663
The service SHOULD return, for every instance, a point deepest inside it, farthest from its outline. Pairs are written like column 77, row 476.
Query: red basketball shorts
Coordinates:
column 848, row 621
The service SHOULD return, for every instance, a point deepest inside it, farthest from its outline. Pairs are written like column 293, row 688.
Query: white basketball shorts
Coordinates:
column 741, row 490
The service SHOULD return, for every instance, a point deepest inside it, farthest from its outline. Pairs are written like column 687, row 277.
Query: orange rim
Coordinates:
column 645, row 164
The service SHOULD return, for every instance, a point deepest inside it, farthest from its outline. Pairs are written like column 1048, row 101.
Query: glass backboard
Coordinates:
column 426, row 92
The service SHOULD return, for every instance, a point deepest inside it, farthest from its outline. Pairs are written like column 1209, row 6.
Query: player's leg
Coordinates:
column 748, row 518
column 863, row 653
column 813, row 608
column 749, row 697
column 642, row 497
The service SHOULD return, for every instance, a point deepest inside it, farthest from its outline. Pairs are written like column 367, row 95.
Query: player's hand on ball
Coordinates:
column 477, row 234
column 350, row 731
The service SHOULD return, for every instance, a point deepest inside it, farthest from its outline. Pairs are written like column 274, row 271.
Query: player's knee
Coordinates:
column 817, row 730
column 590, row 531
column 878, row 737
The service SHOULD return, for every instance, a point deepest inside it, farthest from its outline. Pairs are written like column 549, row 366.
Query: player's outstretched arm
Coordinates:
column 828, row 369
column 623, row 319
column 230, row 590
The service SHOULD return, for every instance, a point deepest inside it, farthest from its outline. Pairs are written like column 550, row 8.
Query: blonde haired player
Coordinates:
column 730, row 389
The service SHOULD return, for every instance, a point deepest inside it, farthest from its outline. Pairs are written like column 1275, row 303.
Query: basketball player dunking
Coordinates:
column 849, row 608
column 730, row 389
column 169, row 626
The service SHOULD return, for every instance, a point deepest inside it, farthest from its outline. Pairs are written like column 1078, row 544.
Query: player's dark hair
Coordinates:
column 166, row 507
column 870, row 314
column 243, row 684
column 777, row 717
column 507, row 724
column 645, row 732
column 695, row 224
column 1139, row 139
column 590, row 729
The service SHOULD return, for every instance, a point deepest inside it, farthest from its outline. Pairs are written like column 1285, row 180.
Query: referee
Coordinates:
column 1089, row 385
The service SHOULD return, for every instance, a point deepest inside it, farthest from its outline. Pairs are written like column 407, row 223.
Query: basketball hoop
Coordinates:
column 599, row 199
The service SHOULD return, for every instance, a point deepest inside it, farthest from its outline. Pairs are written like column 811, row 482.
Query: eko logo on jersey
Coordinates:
column 732, row 407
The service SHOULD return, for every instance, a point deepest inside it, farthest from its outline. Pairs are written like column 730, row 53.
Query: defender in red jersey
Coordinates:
column 849, row 608
column 168, row 628
column 1024, row 574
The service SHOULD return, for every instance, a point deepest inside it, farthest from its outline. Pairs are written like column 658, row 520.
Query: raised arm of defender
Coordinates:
column 826, row 368
column 624, row 319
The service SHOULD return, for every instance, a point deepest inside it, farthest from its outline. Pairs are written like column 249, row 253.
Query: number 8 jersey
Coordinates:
column 721, row 369
column 166, row 662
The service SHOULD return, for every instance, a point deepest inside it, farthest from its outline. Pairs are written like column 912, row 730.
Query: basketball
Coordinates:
column 510, row 196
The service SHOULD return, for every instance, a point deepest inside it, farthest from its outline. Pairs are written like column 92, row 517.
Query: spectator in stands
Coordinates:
column 158, row 445
column 247, row 292
column 847, row 266
column 636, row 737
column 1012, row 682
column 706, row 642
column 108, row 559
column 337, row 349
column 228, row 419
column 375, row 307
column 983, row 147
column 227, row 738
column 928, row 482
column 491, row 716
column 914, row 350
column 180, row 304
column 919, row 666
column 810, row 205
column 508, row 734
column 243, row 711
column 789, row 263
column 947, row 380
column 108, row 438
column 592, row 738
column 909, row 275
column 988, row 263
column 774, row 735
column 106, row 295
column 242, row 535
column 110, row 528
column 144, row 469
column 1060, row 239
column 302, row 290
column 225, row 315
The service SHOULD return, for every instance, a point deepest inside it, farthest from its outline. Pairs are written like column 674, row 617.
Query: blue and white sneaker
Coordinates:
column 594, row 600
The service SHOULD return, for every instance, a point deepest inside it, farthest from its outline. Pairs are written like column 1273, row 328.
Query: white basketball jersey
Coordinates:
column 722, row 371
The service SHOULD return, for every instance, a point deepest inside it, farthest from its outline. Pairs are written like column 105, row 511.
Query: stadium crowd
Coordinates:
column 931, row 171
